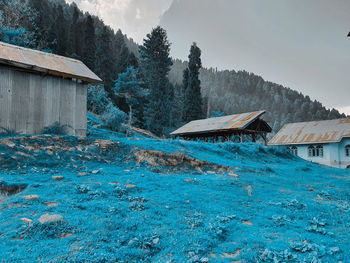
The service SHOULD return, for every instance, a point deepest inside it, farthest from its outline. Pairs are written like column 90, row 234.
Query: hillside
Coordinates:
column 233, row 91
column 107, row 198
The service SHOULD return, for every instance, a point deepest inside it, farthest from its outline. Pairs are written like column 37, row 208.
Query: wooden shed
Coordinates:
column 39, row 89
column 247, row 124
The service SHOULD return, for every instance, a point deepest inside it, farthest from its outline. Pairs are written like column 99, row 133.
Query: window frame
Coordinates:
column 311, row 151
column 315, row 151
column 294, row 150
column 347, row 150
column 319, row 150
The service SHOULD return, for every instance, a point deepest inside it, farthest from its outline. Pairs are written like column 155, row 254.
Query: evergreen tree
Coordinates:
column 193, row 99
column 122, row 64
column 89, row 43
column 104, row 59
column 155, row 64
column 129, row 87
column 185, row 78
column 60, row 26
column 75, row 33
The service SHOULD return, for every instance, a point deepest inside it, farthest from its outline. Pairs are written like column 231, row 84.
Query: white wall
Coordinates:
column 30, row 102
column 333, row 154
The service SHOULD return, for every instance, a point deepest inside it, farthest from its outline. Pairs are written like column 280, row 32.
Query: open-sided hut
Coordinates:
column 244, row 124
column 39, row 89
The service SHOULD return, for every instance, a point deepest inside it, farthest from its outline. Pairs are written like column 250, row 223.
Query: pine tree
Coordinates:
column 129, row 87
column 60, row 25
column 185, row 78
column 122, row 64
column 155, row 64
column 193, row 98
column 75, row 32
column 89, row 43
column 104, row 59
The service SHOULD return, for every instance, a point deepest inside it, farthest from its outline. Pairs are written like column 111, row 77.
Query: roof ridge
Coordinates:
column 41, row 52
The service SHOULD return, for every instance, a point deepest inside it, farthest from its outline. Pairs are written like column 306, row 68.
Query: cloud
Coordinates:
column 135, row 18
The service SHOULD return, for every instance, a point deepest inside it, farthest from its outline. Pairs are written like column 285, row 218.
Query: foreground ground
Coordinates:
column 108, row 198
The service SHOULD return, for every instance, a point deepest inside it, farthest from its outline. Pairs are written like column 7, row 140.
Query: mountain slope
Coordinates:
column 111, row 198
column 235, row 92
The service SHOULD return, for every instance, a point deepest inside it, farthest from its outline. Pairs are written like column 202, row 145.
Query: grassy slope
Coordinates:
column 278, row 208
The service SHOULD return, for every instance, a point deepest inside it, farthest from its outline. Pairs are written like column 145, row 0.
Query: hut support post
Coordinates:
column 263, row 135
column 241, row 137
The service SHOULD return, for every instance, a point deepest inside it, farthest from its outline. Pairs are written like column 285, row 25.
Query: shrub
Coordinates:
column 55, row 128
column 7, row 132
column 97, row 99
column 114, row 117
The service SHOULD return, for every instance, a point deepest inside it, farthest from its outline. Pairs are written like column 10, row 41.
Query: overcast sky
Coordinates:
column 299, row 44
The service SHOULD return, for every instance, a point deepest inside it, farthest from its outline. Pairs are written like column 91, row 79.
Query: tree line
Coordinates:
column 143, row 85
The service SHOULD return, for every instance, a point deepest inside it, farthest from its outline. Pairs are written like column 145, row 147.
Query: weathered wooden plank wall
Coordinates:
column 30, row 102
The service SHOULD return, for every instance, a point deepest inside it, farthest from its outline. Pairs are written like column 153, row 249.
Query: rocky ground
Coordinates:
column 108, row 198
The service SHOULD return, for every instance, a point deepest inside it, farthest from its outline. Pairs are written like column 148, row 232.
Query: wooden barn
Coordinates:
column 39, row 89
column 244, row 124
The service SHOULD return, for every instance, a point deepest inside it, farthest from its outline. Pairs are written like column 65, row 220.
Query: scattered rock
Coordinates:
column 82, row 174
column 51, row 204
column 130, row 186
column 50, row 219
column 156, row 240
column 31, row 197
column 58, row 177
column 231, row 255
column 26, row 220
column 95, row 171
column 247, row 222
column 249, row 190
column 66, row 235
column 233, row 174
column 188, row 180
column 204, row 259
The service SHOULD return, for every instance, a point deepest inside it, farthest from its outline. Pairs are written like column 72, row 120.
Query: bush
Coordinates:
column 114, row 117
column 7, row 132
column 55, row 128
column 97, row 99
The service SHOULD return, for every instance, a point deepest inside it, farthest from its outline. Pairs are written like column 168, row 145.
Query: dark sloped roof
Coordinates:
column 43, row 62
column 230, row 122
column 312, row 132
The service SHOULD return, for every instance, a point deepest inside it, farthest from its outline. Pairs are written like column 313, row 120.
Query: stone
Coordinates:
column 31, row 197
column 51, row 204
column 50, row 219
column 58, row 177
column 156, row 240
column 26, row 220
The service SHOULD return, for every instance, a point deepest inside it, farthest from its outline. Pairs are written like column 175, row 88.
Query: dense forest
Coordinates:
column 183, row 91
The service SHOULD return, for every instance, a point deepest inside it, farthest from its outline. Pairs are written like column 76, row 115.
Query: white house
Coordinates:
column 325, row 142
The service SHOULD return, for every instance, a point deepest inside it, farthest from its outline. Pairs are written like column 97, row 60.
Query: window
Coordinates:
column 347, row 150
column 315, row 151
column 294, row 150
column 311, row 151
column 319, row 151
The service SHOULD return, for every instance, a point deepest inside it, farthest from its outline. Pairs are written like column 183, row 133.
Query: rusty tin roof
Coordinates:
column 230, row 122
column 47, row 63
column 312, row 132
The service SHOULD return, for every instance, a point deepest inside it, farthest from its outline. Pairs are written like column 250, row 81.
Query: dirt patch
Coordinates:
column 177, row 161
column 11, row 189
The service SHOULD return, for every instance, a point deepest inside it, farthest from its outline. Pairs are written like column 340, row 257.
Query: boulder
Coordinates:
column 50, row 219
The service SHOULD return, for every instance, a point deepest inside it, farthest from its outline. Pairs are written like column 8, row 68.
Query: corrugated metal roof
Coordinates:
column 236, row 121
column 312, row 132
column 46, row 63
